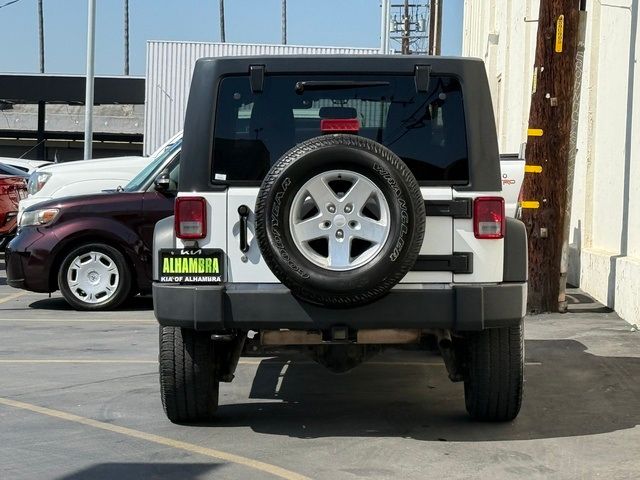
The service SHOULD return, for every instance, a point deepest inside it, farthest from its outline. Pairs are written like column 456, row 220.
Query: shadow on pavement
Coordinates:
column 572, row 393
column 580, row 302
column 137, row 471
column 137, row 303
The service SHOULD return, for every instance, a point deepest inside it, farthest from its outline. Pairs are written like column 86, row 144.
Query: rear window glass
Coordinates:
column 425, row 129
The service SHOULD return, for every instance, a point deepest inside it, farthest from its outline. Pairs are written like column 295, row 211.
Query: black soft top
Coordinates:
column 484, row 162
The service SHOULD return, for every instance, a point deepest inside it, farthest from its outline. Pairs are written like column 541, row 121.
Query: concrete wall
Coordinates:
column 127, row 119
column 18, row 126
column 605, row 223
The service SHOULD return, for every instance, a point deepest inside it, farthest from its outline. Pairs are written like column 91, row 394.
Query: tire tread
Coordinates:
column 188, row 387
column 494, row 387
column 296, row 154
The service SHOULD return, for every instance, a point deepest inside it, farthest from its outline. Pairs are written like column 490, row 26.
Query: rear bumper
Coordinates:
column 272, row 306
column 15, row 269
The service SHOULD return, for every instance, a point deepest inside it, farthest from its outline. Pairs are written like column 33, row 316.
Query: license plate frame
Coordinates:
column 193, row 266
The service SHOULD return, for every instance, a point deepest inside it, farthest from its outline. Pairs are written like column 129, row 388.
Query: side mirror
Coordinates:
column 163, row 182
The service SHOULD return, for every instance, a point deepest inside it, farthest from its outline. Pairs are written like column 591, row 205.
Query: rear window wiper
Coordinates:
column 336, row 85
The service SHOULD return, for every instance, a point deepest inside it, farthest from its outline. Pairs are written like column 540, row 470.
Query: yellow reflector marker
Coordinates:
column 533, row 169
column 559, row 33
column 530, row 204
column 535, row 132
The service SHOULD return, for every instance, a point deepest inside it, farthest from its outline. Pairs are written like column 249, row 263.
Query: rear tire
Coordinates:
column 188, row 383
column 494, row 385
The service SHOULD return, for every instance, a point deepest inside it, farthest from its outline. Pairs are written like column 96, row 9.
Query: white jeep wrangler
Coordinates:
column 338, row 205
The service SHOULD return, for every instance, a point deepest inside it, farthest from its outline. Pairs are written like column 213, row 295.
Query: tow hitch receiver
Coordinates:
column 340, row 335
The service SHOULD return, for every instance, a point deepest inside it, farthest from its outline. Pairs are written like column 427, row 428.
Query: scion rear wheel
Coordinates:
column 94, row 277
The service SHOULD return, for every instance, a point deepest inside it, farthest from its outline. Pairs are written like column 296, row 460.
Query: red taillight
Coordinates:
column 190, row 218
column 488, row 217
column 13, row 194
column 342, row 125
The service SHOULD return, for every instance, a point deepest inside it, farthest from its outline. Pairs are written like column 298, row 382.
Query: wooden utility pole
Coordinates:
column 548, row 148
column 439, row 32
column 435, row 27
column 406, row 30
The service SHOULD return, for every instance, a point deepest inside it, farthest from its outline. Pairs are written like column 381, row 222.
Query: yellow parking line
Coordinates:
column 380, row 363
column 79, row 320
column 74, row 360
column 241, row 362
column 13, row 296
column 157, row 439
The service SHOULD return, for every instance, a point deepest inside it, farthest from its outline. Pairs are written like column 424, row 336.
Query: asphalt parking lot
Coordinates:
column 79, row 399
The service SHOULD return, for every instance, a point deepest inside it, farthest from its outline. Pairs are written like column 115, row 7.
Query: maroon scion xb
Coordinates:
column 95, row 248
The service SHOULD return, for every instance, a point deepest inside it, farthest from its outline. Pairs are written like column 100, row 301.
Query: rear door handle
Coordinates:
column 243, row 211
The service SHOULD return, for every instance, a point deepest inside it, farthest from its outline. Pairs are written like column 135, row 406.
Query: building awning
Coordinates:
column 70, row 89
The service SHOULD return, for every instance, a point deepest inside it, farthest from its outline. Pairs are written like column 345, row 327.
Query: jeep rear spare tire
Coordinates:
column 340, row 220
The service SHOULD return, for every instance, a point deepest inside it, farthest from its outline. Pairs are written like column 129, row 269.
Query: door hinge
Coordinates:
column 456, row 208
column 256, row 77
column 456, row 263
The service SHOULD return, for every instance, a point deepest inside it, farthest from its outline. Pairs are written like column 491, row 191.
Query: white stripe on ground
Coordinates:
column 157, row 439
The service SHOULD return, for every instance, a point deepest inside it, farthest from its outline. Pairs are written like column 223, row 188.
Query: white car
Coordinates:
column 87, row 176
column 26, row 165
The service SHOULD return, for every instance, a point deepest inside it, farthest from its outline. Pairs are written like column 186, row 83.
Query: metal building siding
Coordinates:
column 169, row 69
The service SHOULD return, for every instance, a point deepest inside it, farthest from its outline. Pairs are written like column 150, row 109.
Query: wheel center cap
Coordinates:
column 94, row 277
column 339, row 221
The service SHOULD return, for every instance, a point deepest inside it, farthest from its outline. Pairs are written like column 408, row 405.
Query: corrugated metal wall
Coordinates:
column 169, row 69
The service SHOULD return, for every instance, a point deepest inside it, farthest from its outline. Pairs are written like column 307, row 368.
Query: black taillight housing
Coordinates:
column 488, row 217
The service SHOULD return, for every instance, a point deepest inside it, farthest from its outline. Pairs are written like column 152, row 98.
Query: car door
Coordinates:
column 279, row 119
column 254, row 129
column 245, row 263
